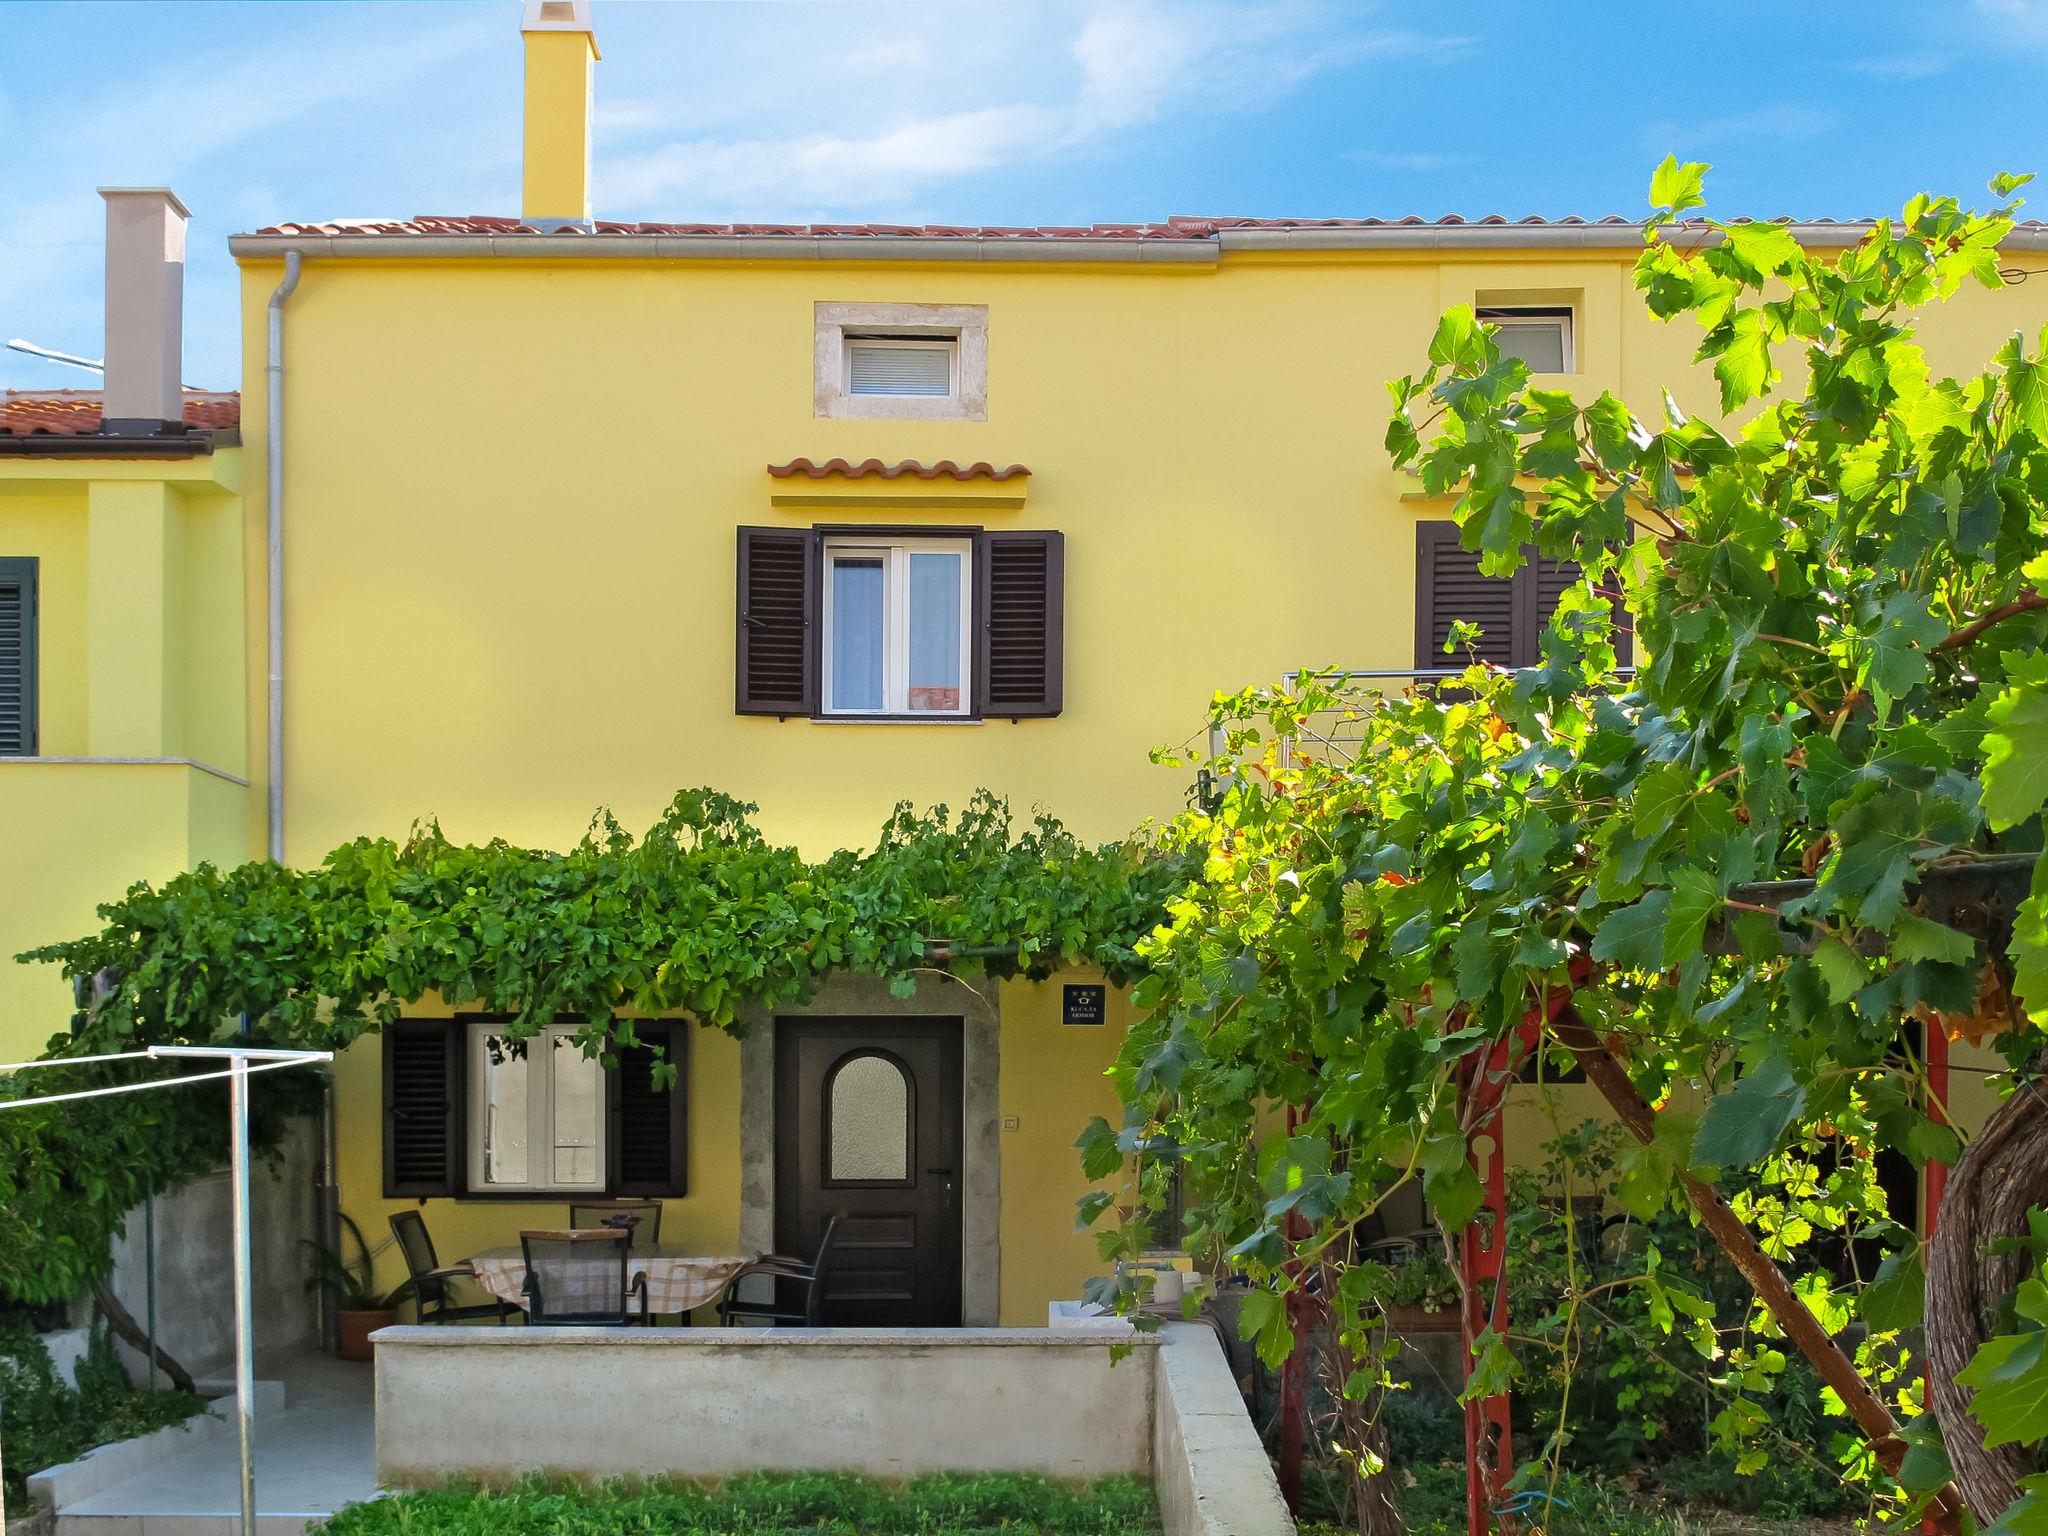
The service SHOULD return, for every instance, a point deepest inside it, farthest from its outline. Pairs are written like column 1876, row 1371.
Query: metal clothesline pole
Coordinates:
column 243, row 1062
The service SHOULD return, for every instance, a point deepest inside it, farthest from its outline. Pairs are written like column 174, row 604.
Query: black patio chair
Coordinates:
column 431, row 1278
column 798, row 1297
column 579, row 1278
column 639, row 1219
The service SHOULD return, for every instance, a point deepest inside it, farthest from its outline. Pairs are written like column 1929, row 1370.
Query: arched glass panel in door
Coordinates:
column 867, row 1121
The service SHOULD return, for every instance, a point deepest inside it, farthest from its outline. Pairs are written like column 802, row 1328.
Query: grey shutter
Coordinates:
column 650, row 1126
column 776, row 654
column 1020, row 604
column 422, row 1108
column 17, row 656
column 1449, row 587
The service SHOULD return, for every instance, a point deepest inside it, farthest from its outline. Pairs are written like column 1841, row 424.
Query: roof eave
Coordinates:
column 1200, row 252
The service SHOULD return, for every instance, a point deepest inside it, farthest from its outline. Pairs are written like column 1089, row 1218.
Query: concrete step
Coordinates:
column 182, row 1525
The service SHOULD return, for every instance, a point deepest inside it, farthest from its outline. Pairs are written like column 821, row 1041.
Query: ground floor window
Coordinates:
column 467, row 1112
column 536, row 1116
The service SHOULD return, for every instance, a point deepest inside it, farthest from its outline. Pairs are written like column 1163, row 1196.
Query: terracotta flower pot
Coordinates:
column 356, row 1328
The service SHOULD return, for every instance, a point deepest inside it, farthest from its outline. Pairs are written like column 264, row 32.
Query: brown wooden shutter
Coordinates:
column 1551, row 580
column 1449, row 587
column 777, row 659
column 423, row 1108
column 650, row 1126
column 17, row 657
column 1020, row 602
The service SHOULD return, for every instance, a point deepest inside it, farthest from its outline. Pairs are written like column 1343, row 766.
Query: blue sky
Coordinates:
column 981, row 111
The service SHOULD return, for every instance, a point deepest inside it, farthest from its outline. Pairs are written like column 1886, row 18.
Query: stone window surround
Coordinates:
column 865, row 997
column 965, row 323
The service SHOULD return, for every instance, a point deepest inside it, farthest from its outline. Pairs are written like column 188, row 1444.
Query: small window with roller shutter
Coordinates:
column 1511, row 612
column 899, row 624
column 17, row 656
column 469, row 1115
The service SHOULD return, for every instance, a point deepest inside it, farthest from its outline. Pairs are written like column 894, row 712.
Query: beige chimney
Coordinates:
column 145, row 346
column 560, row 50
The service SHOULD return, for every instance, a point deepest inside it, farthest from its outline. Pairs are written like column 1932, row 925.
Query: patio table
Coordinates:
column 676, row 1281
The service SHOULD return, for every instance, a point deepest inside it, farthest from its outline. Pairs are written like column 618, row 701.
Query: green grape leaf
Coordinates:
column 1742, row 1126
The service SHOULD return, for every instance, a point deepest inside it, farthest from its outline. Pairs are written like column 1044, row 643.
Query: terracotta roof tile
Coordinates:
column 981, row 469
column 76, row 412
column 1179, row 227
column 482, row 224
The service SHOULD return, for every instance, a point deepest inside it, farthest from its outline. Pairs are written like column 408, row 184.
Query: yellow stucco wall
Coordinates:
column 140, row 655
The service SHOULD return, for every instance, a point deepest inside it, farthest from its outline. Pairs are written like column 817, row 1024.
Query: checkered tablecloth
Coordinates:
column 676, row 1281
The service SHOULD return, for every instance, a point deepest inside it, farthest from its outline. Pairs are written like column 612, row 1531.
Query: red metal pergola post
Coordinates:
column 1489, row 1450
column 1482, row 1254
column 1936, row 1182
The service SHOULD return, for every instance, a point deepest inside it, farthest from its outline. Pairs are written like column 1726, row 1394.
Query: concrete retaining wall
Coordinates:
column 195, row 1302
column 495, row 1403
column 596, row 1403
column 1210, row 1471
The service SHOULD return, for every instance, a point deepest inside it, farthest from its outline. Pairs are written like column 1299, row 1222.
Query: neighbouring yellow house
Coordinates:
column 577, row 513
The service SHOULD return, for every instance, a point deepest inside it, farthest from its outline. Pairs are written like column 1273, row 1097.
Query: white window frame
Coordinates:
column 896, row 553
column 950, row 345
column 963, row 326
column 540, row 1112
column 1564, row 316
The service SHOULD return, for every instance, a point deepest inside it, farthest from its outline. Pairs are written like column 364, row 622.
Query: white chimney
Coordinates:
column 145, row 348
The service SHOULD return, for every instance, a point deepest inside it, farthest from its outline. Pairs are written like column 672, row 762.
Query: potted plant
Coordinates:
column 1420, row 1294
column 362, row 1308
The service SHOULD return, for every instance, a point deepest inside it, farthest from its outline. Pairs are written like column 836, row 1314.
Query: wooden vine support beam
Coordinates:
column 1945, row 1512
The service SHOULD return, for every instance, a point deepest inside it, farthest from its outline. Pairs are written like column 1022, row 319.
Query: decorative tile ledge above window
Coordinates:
column 900, row 362
column 906, row 483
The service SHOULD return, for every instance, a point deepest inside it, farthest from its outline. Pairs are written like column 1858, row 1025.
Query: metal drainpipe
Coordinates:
column 327, row 1196
column 274, row 532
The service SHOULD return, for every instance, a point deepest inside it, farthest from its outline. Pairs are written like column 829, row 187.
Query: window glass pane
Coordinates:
column 875, row 370
column 870, row 1118
column 934, row 631
column 857, row 595
column 504, row 1107
column 1539, row 343
column 578, row 1101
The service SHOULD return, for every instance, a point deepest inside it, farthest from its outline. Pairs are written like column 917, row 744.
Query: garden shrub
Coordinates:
column 46, row 1421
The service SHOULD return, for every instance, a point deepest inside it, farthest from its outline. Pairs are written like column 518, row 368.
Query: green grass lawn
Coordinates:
column 944, row 1504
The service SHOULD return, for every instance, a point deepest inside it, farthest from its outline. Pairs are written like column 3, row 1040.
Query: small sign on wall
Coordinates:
column 1083, row 1002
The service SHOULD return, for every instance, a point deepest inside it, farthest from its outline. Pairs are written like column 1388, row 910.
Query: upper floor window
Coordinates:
column 1540, row 335
column 896, row 637
column 900, row 362
column 17, row 656
column 917, row 366
column 1512, row 613
column 899, row 623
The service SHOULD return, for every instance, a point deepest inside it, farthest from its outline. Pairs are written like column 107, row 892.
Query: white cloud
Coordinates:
column 1776, row 123
column 163, row 128
column 1121, row 65
column 1898, row 68
column 1420, row 160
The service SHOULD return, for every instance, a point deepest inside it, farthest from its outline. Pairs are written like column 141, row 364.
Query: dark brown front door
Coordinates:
column 867, row 1126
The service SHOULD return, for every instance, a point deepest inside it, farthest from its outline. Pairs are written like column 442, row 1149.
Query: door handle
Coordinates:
column 944, row 1173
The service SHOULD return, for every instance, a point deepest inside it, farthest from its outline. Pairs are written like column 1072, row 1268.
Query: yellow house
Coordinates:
column 578, row 513
column 123, row 744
